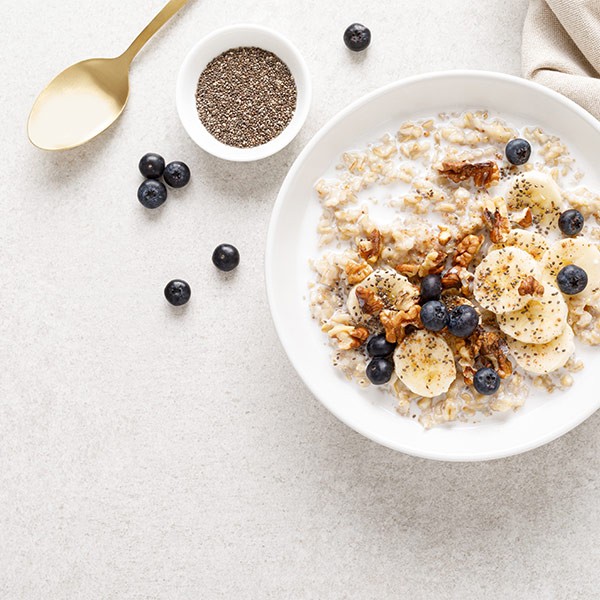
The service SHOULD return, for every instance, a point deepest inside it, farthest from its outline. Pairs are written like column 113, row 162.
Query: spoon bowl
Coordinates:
column 89, row 96
column 79, row 103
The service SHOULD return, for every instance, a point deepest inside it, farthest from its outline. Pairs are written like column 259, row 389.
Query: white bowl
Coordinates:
column 211, row 46
column 292, row 242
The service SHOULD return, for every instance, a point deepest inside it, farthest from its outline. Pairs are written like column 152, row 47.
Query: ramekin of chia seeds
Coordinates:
column 243, row 93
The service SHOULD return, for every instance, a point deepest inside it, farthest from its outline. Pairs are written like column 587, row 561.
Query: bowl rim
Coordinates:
column 232, row 153
column 270, row 282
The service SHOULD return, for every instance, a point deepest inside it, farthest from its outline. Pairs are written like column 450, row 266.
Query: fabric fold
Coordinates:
column 561, row 48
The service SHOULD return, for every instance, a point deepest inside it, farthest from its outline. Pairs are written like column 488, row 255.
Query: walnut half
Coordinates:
column 370, row 249
column 530, row 286
column 368, row 300
column 395, row 322
column 466, row 250
column 357, row 272
column 484, row 174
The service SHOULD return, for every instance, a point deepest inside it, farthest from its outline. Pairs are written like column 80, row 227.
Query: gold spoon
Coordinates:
column 89, row 96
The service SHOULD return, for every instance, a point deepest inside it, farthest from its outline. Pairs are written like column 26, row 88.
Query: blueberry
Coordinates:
column 177, row 292
column 518, row 151
column 152, row 165
column 463, row 321
column 571, row 222
column 434, row 315
column 152, row 193
column 357, row 37
column 486, row 381
column 431, row 287
column 379, row 370
column 177, row 174
column 226, row 257
column 572, row 280
column 378, row 346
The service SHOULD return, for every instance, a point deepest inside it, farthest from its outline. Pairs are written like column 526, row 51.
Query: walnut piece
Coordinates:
column 408, row 270
column 370, row 249
column 493, row 347
column 444, row 237
column 484, row 174
column 395, row 322
column 487, row 348
column 499, row 225
column 433, row 263
column 530, row 286
column 466, row 250
column 523, row 218
column 368, row 300
column 359, row 335
column 458, row 277
column 357, row 272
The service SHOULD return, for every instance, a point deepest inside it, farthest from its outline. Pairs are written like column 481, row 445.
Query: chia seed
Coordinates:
column 246, row 97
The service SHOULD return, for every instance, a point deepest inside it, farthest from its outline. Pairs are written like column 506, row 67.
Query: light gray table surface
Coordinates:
column 153, row 453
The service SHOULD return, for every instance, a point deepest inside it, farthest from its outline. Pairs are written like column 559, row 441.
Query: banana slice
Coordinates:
column 394, row 290
column 533, row 243
column 425, row 364
column 540, row 193
column 574, row 251
column 544, row 358
column 498, row 276
column 539, row 321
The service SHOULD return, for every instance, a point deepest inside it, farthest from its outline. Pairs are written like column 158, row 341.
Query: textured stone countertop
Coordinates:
column 152, row 453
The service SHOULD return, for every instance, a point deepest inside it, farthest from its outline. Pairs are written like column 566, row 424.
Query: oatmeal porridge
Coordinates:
column 478, row 279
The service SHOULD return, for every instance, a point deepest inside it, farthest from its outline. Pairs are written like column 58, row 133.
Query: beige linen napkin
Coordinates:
column 561, row 48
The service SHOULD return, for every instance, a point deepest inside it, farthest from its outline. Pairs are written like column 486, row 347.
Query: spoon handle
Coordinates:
column 159, row 20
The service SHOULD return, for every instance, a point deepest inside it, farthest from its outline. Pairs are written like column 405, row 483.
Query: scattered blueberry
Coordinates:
column 226, row 257
column 572, row 280
column 379, row 370
column 378, row 346
column 434, row 315
column 486, row 381
column 177, row 292
column 357, row 37
column 177, row 174
column 152, row 165
column 571, row 222
column 463, row 321
column 518, row 151
column 152, row 193
column 431, row 288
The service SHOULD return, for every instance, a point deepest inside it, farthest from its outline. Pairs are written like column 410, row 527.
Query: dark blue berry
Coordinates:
column 518, row 151
column 177, row 292
column 572, row 280
column 226, row 257
column 152, row 193
column 486, row 381
column 431, row 288
column 152, row 165
column 434, row 315
column 357, row 37
column 379, row 370
column 463, row 321
column 177, row 174
column 378, row 346
column 571, row 222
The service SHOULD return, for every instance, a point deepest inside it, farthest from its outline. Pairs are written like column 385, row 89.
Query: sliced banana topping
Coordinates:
column 539, row 321
column 425, row 364
column 544, row 358
column 574, row 251
column 384, row 288
column 533, row 243
column 498, row 277
column 540, row 193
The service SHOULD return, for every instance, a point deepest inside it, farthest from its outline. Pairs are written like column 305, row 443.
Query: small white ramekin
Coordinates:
column 211, row 46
